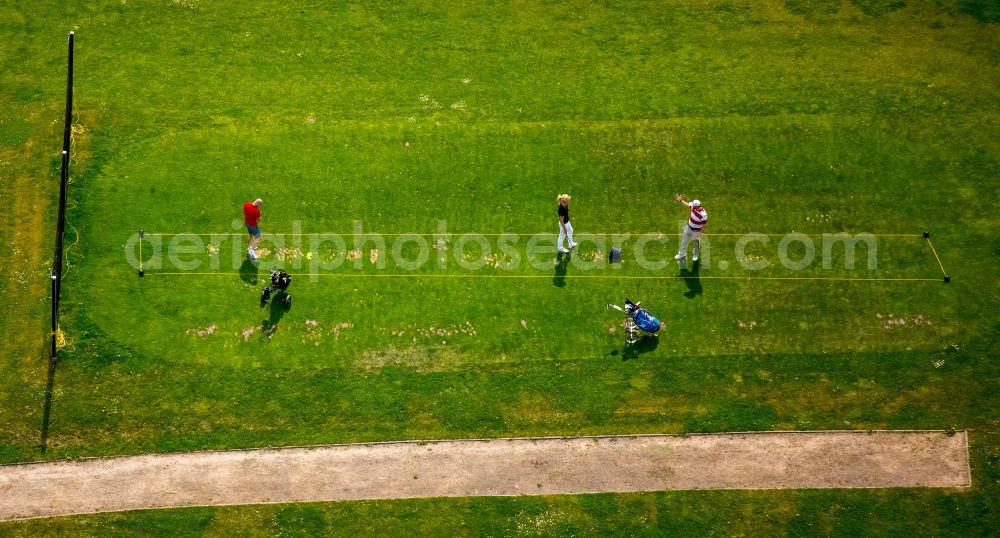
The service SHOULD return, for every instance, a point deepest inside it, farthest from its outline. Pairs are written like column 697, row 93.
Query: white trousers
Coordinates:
column 564, row 234
column 686, row 238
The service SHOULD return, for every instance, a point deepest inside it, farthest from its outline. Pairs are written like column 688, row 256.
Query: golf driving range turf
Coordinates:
column 860, row 117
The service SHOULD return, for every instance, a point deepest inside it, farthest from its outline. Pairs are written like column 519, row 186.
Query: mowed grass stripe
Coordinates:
column 789, row 256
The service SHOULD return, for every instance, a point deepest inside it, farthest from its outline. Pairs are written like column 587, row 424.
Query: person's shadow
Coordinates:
column 691, row 279
column 562, row 263
column 269, row 326
column 248, row 272
column 646, row 344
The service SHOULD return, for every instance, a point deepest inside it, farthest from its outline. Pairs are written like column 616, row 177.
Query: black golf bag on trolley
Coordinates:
column 638, row 321
column 279, row 283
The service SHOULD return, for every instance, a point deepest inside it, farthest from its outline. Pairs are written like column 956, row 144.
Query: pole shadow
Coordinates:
column 691, row 278
column 562, row 264
column 47, row 409
column 249, row 271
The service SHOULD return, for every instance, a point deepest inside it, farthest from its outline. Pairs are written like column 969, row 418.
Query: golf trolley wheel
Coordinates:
column 287, row 301
column 631, row 331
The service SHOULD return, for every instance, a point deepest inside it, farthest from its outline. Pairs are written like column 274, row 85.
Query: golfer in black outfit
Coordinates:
column 565, row 228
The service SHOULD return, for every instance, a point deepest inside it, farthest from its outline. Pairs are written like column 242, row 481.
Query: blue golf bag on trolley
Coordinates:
column 638, row 321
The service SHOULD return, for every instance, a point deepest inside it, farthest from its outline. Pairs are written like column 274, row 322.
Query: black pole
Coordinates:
column 68, row 127
column 55, row 317
column 57, row 258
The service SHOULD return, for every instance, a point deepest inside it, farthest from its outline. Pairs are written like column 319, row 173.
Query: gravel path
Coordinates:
column 460, row 468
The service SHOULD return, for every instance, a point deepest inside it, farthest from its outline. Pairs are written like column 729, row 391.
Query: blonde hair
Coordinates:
column 562, row 197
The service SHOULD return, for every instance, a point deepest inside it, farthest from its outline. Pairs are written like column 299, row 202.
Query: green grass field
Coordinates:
column 859, row 117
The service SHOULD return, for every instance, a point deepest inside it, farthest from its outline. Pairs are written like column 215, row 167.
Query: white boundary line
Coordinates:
column 393, row 234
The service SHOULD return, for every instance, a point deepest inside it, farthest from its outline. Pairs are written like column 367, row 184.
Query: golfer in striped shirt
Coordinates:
column 696, row 223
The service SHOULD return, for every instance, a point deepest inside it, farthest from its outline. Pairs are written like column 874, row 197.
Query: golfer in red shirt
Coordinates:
column 251, row 216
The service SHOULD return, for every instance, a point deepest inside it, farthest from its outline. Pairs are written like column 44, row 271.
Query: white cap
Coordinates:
column 696, row 203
